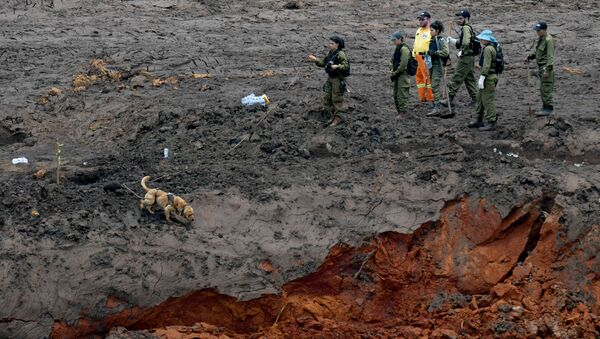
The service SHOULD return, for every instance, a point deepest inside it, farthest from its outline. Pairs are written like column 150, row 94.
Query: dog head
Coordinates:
column 188, row 213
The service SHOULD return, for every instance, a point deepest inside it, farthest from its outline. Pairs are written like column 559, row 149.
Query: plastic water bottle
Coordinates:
column 252, row 99
column 428, row 62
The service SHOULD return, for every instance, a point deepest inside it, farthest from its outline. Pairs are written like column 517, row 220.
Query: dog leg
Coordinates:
column 168, row 210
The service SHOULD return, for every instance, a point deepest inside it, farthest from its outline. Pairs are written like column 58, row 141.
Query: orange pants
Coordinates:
column 423, row 80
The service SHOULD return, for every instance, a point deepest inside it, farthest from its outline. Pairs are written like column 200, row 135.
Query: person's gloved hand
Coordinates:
column 451, row 40
column 459, row 54
column 481, row 82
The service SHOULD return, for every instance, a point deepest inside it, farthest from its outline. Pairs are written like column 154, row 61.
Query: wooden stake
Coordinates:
column 363, row 263
column 58, row 151
column 279, row 314
column 529, row 89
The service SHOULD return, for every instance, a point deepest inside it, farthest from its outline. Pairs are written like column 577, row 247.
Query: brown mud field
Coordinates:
column 381, row 227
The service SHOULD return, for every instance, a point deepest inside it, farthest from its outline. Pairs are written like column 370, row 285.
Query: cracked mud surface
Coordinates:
column 285, row 198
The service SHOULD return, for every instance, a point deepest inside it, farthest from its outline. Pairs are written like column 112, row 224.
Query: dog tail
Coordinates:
column 144, row 181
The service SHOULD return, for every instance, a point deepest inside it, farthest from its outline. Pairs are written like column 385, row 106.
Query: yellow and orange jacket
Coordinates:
column 422, row 39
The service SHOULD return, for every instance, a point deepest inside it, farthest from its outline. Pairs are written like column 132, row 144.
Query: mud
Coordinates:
column 269, row 212
column 470, row 274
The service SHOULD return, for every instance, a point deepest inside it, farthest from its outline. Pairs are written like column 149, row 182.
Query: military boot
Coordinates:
column 336, row 121
column 488, row 126
column 476, row 124
column 436, row 110
column 445, row 102
column 545, row 111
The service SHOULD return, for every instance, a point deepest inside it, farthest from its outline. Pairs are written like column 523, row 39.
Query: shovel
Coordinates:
column 529, row 88
column 445, row 81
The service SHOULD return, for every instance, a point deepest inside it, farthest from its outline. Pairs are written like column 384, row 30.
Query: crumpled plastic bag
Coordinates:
column 252, row 99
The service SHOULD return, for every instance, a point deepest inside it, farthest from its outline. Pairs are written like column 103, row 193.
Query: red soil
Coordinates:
column 470, row 274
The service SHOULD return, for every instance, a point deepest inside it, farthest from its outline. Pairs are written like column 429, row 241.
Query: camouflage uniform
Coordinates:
column 400, row 77
column 486, row 98
column 465, row 69
column 335, row 86
column 544, row 57
column 438, row 50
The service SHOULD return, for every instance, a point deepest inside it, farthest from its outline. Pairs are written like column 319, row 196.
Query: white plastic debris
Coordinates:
column 579, row 165
column 252, row 99
column 166, row 153
column 514, row 155
column 21, row 160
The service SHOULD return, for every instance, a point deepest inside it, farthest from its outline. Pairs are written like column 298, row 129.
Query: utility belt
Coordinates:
column 543, row 67
column 342, row 83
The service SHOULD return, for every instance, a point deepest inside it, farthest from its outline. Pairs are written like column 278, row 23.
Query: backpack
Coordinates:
column 411, row 67
column 475, row 44
column 499, row 62
column 345, row 73
column 342, row 73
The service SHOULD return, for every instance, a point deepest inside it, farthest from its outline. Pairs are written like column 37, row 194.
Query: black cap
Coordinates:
column 424, row 14
column 464, row 13
column 540, row 26
column 338, row 41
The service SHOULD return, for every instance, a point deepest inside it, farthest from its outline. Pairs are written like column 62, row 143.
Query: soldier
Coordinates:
column 486, row 98
column 465, row 69
column 438, row 50
column 398, row 73
column 420, row 47
column 544, row 56
column 337, row 67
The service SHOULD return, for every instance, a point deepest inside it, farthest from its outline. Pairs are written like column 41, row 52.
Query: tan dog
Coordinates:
column 169, row 202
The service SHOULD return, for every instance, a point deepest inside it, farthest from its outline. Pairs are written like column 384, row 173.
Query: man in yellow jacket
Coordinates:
column 421, row 47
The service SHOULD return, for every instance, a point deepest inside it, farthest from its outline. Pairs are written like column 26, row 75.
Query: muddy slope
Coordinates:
column 292, row 192
column 469, row 274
